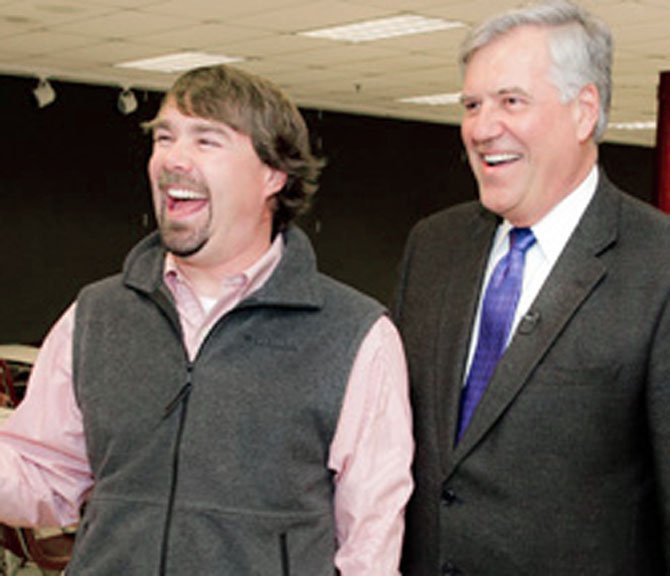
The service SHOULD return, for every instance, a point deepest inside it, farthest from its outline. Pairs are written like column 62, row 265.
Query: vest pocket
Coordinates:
column 283, row 551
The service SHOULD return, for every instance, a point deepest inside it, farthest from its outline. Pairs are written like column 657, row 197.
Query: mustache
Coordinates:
column 166, row 178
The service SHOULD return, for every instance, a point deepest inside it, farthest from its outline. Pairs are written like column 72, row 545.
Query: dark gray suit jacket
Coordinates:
column 565, row 467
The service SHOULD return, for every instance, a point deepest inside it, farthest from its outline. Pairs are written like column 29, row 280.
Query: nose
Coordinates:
column 174, row 156
column 483, row 125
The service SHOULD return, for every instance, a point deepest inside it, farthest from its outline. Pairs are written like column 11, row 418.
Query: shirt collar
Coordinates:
column 247, row 281
column 554, row 230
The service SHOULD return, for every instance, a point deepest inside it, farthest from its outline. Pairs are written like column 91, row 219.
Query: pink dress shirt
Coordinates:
column 44, row 470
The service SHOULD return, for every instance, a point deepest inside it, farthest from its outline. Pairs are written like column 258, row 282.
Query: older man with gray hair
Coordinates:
column 537, row 328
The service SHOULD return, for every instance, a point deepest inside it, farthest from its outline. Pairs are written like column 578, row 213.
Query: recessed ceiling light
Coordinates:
column 646, row 125
column 179, row 62
column 383, row 28
column 434, row 99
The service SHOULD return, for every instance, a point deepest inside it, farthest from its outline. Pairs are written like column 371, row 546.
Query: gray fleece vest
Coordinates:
column 216, row 466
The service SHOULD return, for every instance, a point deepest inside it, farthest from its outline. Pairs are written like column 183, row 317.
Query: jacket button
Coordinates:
column 448, row 496
column 448, row 569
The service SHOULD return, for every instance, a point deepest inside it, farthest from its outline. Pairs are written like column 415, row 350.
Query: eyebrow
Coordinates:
column 501, row 92
column 206, row 127
column 201, row 127
column 512, row 90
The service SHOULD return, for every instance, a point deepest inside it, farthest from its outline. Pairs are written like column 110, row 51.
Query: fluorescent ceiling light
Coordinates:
column 648, row 125
column 383, row 28
column 434, row 99
column 179, row 62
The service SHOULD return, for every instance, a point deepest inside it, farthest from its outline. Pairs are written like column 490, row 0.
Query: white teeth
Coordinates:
column 182, row 194
column 495, row 159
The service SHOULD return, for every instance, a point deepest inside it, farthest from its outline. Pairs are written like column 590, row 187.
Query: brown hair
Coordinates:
column 259, row 109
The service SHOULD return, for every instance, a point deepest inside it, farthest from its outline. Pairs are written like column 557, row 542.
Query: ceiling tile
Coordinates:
column 81, row 40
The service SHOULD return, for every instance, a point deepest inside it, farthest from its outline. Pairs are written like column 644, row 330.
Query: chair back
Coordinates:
column 48, row 552
column 10, row 540
column 51, row 552
column 7, row 384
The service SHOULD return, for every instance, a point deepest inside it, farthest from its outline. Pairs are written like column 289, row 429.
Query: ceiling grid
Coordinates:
column 83, row 40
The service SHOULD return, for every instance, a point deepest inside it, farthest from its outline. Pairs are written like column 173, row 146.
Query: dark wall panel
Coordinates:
column 73, row 197
column 382, row 176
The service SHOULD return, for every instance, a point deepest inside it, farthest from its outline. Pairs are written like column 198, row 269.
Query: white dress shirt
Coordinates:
column 552, row 234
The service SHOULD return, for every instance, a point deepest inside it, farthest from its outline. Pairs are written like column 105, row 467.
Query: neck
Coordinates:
column 207, row 279
column 532, row 214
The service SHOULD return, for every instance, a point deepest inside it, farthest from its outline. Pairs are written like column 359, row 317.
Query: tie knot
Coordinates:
column 520, row 239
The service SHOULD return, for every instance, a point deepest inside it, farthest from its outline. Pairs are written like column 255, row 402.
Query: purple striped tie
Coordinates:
column 500, row 301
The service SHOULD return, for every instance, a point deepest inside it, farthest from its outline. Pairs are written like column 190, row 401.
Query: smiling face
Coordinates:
column 212, row 194
column 527, row 148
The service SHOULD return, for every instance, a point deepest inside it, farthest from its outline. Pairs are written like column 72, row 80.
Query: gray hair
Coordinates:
column 580, row 46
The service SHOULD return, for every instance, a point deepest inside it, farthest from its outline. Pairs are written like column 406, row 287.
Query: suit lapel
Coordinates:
column 576, row 273
column 458, row 308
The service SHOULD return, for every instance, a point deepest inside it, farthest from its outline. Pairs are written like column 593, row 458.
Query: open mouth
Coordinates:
column 183, row 201
column 500, row 159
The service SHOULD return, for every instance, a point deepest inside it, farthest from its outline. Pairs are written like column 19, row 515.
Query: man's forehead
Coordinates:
column 506, row 71
column 170, row 114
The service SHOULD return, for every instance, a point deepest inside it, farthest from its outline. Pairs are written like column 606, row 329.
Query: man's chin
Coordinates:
column 184, row 253
column 182, row 248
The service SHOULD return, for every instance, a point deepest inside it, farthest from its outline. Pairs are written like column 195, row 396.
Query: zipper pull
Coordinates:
column 181, row 396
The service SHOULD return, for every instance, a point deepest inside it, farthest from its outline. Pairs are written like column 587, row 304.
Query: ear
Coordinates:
column 587, row 111
column 275, row 180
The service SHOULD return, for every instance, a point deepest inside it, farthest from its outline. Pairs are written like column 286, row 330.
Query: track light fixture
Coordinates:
column 44, row 93
column 127, row 102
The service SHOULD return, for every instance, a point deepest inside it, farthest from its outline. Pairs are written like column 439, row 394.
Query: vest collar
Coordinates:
column 293, row 284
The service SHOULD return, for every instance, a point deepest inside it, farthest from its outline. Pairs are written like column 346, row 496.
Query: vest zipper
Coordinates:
column 283, row 550
column 181, row 399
